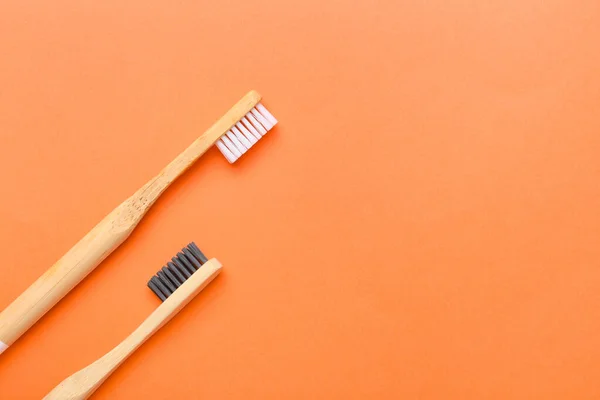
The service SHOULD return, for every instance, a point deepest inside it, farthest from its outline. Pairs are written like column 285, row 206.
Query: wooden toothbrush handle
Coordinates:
column 67, row 272
column 83, row 383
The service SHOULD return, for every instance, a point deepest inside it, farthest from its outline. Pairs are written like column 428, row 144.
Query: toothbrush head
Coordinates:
column 246, row 131
column 181, row 267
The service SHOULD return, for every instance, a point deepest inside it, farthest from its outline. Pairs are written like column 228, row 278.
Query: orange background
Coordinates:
column 424, row 223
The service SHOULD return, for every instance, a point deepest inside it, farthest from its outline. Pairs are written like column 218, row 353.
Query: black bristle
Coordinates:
column 197, row 264
column 177, row 271
column 182, row 267
column 199, row 255
column 179, row 268
column 166, row 281
column 172, row 277
column 162, row 286
column 156, row 290
column 185, row 261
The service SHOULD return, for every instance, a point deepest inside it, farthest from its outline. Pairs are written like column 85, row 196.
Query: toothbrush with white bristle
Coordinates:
column 234, row 133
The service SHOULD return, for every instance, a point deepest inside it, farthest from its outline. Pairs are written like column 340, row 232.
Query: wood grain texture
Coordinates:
column 83, row 383
column 111, row 232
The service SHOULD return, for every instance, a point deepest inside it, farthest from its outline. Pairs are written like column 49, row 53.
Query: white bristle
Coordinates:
column 228, row 155
column 256, row 124
column 241, row 137
column 251, row 128
column 266, row 114
column 231, row 146
column 242, row 149
column 261, row 119
column 245, row 133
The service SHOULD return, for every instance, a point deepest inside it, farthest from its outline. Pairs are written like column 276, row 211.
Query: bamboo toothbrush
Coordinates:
column 239, row 129
column 175, row 284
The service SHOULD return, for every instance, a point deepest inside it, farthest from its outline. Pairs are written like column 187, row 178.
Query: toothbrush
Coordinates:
column 175, row 284
column 238, row 130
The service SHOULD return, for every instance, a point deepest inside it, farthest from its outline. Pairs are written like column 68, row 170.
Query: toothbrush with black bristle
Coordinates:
column 175, row 284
